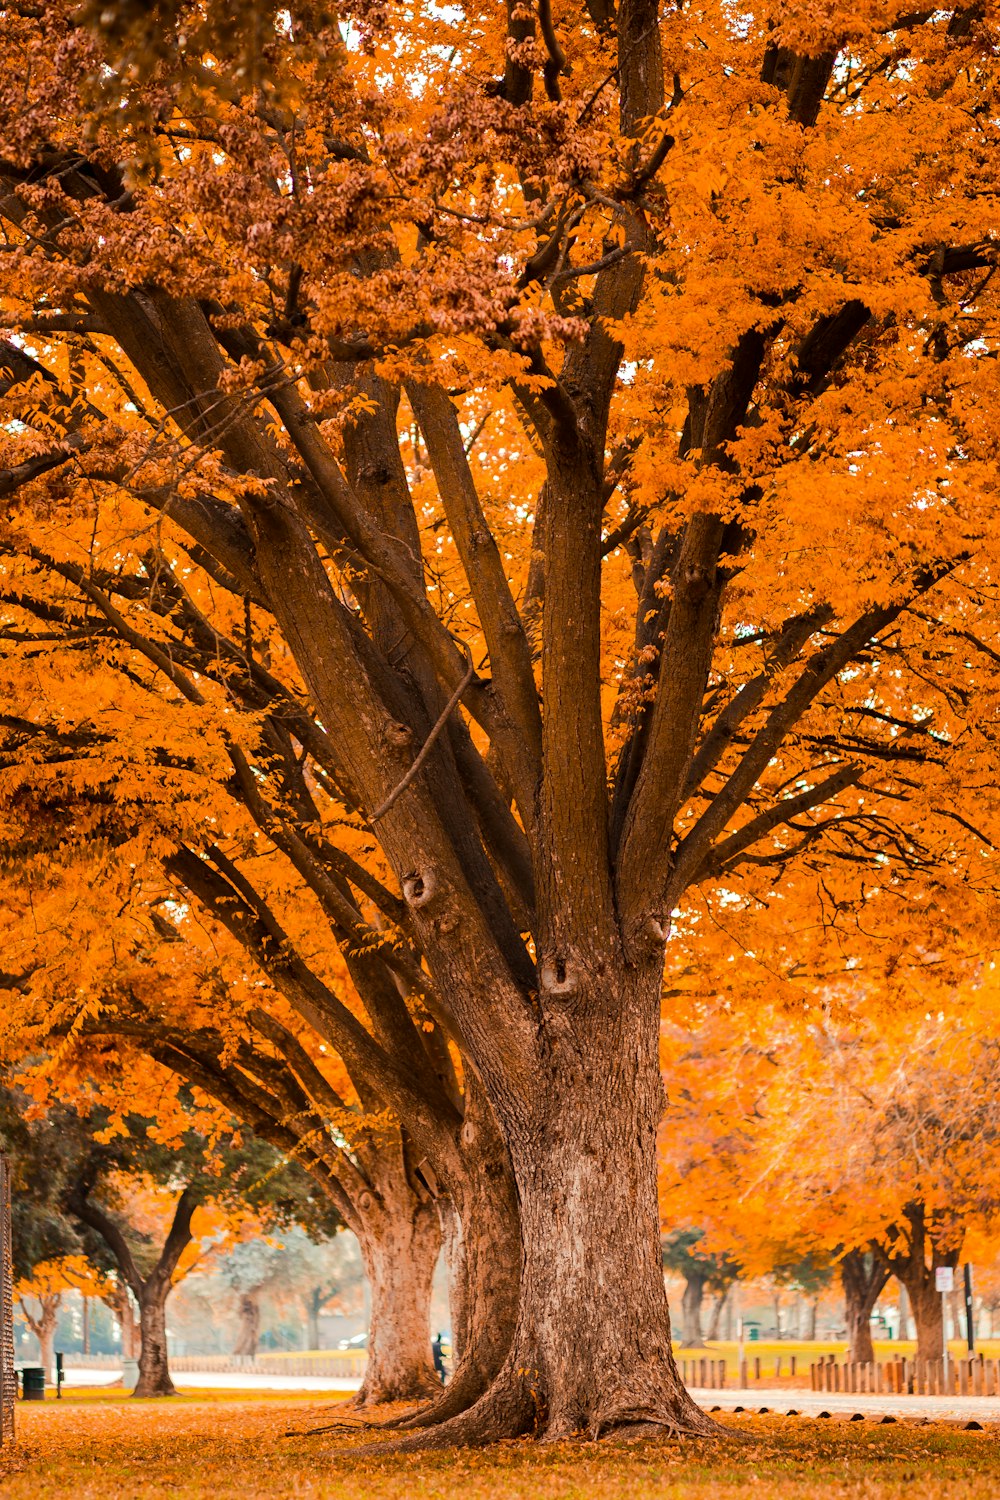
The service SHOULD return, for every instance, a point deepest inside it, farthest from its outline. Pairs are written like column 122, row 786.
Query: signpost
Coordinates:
column 944, row 1282
column 970, row 1316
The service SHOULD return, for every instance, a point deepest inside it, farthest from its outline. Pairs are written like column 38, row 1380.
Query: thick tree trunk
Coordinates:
column 912, row 1244
column 399, row 1263
column 47, row 1350
column 591, row 1349
column 925, row 1303
column 249, row 1329
column 863, row 1276
column 484, row 1245
column 691, row 1305
column 154, row 1371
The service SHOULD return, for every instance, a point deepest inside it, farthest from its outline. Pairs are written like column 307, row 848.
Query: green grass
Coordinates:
column 234, row 1448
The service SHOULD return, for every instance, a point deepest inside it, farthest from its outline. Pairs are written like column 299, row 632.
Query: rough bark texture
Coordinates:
column 863, row 1276
column 400, row 1265
column 154, row 1370
column 484, row 1245
column 591, row 1350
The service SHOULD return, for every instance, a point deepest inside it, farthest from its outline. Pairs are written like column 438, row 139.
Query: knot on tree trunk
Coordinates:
column 419, row 888
column 559, row 976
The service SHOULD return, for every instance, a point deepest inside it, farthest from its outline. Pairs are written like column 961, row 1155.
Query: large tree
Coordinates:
column 512, row 475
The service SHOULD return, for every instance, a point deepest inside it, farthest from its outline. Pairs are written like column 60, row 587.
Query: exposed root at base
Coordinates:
column 510, row 1410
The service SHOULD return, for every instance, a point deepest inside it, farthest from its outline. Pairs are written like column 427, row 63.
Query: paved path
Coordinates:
column 810, row 1403
column 225, row 1380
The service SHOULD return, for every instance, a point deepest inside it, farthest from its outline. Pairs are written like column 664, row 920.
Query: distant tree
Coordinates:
column 126, row 1193
column 683, row 1252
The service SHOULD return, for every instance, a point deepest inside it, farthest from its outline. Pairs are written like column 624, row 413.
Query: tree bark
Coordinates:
column 399, row 1263
column 913, row 1243
column 718, row 1307
column 591, row 1349
column 863, row 1276
column 249, row 1329
column 154, row 1371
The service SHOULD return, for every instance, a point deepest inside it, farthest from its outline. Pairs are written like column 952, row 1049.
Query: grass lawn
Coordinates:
column 224, row 1447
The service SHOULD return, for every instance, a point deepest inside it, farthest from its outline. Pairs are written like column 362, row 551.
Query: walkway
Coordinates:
column 810, row 1403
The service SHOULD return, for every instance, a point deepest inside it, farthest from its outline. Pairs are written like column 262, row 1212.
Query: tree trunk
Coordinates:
column 813, row 1317
column 863, row 1276
column 776, row 1302
column 911, row 1244
column 691, row 1302
column 249, row 1330
column 312, row 1318
column 44, row 1329
column 399, row 1263
column 904, row 1311
column 592, row 1345
column 483, row 1242
column 714, row 1321
column 154, row 1371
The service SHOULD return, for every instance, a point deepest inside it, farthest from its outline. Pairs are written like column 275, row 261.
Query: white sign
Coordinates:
column 944, row 1279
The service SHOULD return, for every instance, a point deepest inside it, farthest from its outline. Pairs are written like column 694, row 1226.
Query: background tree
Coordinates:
column 683, row 1253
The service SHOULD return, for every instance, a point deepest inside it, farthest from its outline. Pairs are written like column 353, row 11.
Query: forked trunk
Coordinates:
column 400, row 1263
column 591, row 1349
column 863, row 1277
column 154, row 1371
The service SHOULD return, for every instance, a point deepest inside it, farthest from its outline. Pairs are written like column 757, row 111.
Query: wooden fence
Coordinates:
column 969, row 1376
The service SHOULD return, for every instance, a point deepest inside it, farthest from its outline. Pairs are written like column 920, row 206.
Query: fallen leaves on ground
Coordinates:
column 114, row 1449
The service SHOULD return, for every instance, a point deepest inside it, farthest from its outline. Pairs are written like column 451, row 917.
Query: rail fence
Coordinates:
column 969, row 1376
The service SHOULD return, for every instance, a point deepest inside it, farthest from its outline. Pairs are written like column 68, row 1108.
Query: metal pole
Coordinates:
column 944, row 1334
column 970, row 1317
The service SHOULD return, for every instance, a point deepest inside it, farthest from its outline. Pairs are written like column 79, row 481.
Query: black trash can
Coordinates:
column 33, row 1383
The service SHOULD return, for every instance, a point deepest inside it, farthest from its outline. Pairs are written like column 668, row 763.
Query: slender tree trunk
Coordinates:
column 863, row 1276
column 776, row 1302
column 312, row 1318
column 812, row 1320
column 691, row 1304
column 715, row 1319
column 249, row 1329
column 44, row 1329
column 154, row 1371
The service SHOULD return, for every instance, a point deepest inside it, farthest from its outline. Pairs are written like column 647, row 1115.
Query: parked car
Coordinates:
column 356, row 1344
